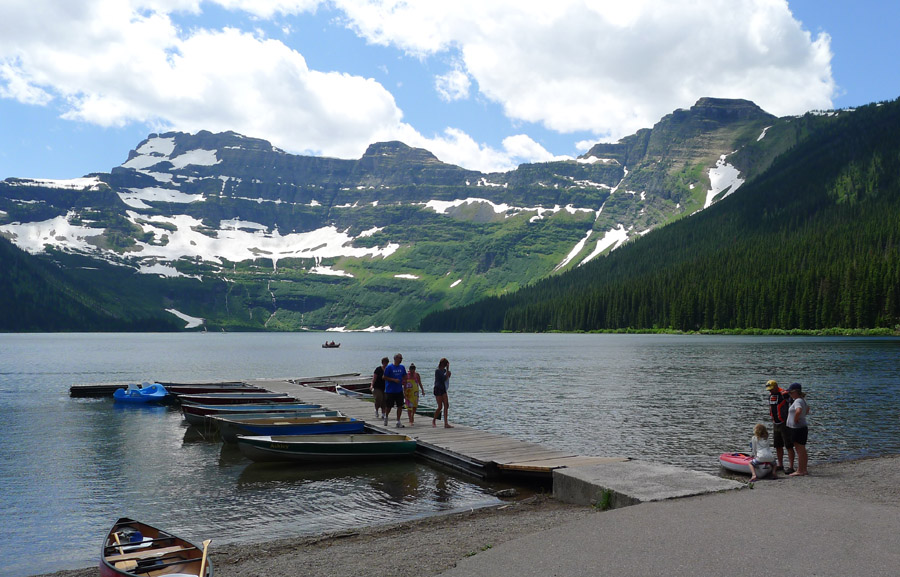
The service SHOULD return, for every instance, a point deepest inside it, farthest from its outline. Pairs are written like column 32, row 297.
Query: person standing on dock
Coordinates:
column 412, row 386
column 377, row 388
column 441, row 384
column 394, row 375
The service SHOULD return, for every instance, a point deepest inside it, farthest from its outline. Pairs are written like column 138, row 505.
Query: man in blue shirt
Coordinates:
column 394, row 375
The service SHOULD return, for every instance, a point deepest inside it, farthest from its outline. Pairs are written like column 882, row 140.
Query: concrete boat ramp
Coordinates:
column 608, row 482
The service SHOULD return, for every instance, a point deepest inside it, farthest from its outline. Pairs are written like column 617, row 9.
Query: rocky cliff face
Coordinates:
column 284, row 241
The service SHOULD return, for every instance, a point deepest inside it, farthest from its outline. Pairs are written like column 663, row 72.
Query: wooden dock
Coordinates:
column 481, row 453
column 473, row 451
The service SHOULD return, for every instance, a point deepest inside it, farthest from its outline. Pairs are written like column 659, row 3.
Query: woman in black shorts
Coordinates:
column 441, row 383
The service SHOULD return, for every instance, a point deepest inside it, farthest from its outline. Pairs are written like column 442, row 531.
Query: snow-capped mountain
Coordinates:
column 259, row 238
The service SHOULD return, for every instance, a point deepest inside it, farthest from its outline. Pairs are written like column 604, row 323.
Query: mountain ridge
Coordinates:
column 315, row 242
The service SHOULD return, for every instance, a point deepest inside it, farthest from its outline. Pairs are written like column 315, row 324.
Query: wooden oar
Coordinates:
column 119, row 543
column 203, row 560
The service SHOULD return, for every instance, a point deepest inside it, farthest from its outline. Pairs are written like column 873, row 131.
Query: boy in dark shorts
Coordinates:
column 394, row 375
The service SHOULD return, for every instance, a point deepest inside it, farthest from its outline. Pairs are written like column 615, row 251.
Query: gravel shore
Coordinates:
column 432, row 545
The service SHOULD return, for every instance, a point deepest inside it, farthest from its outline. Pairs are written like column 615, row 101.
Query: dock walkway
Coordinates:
column 477, row 452
column 609, row 482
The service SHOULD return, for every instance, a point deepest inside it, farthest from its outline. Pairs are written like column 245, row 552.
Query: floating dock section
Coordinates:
column 605, row 481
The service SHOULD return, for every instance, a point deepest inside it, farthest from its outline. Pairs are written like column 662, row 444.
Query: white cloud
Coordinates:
column 607, row 67
column 616, row 66
column 453, row 85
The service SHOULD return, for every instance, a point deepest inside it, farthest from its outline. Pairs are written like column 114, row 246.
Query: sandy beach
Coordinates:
column 433, row 545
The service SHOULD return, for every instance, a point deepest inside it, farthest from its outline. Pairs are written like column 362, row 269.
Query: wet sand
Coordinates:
column 433, row 545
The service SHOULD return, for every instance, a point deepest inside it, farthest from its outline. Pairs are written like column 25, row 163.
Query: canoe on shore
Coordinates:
column 135, row 548
column 202, row 410
column 324, row 448
column 229, row 429
column 237, row 398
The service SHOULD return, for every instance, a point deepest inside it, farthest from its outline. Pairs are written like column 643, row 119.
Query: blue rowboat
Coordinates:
column 324, row 448
column 144, row 394
column 229, row 429
column 207, row 421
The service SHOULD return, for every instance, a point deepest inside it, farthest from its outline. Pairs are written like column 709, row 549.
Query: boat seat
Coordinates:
column 147, row 553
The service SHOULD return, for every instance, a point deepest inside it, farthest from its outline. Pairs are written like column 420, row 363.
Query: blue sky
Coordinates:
column 486, row 84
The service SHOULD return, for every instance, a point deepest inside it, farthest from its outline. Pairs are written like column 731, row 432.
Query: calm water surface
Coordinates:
column 69, row 467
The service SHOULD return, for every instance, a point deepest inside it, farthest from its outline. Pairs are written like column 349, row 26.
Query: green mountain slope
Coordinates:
column 39, row 296
column 234, row 231
column 813, row 242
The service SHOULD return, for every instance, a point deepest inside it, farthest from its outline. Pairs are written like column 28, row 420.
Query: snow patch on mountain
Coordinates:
column 192, row 322
column 88, row 182
column 594, row 160
column 723, row 178
column 159, row 149
column 614, row 238
column 135, row 197
column 59, row 232
column 236, row 241
column 579, row 246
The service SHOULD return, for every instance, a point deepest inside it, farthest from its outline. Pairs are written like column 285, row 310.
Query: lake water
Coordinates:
column 69, row 467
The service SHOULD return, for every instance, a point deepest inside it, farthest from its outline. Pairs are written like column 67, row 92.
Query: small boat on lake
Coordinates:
column 179, row 389
column 324, row 448
column 202, row 410
column 139, row 549
column 229, row 429
column 237, row 398
column 141, row 394
column 331, row 345
column 740, row 463
column 356, row 394
column 209, row 422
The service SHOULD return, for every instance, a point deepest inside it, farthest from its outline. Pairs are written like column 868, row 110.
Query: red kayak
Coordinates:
column 740, row 463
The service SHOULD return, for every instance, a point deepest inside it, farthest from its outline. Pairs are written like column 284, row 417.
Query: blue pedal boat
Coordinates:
column 143, row 394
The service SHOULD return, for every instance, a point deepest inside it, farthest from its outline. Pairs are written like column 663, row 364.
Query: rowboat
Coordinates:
column 324, row 448
column 331, row 345
column 207, row 421
column 205, row 388
column 331, row 386
column 229, row 429
column 237, row 398
column 358, row 394
column 135, row 548
column 145, row 393
column 202, row 410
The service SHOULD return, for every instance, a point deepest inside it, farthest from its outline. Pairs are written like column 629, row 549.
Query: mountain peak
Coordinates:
column 728, row 109
column 399, row 150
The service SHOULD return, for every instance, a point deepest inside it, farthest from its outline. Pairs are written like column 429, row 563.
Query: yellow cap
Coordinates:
column 771, row 385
